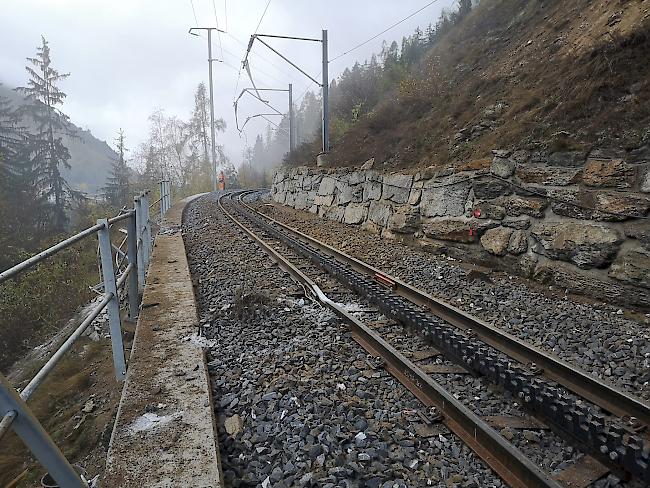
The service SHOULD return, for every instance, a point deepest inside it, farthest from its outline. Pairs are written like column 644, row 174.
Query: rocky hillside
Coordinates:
column 562, row 80
column 90, row 160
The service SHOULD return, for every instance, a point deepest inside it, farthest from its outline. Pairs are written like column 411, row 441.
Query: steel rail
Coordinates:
column 613, row 443
column 608, row 397
column 507, row 461
column 47, row 368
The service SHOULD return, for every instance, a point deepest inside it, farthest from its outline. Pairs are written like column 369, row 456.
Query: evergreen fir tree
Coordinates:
column 45, row 147
column 118, row 188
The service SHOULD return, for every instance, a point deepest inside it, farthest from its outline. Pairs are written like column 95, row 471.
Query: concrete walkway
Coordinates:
column 165, row 434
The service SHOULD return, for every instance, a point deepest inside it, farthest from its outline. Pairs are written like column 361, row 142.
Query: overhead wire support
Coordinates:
column 325, row 80
column 291, row 132
column 212, row 136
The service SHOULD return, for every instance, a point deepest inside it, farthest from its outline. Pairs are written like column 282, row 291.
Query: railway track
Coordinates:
column 528, row 374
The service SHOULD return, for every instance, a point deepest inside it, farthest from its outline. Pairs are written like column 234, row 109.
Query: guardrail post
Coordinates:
column 113, row 307
column 161, row 186
column 137, row 205
column 132, row 255
column 31, row 432
column 146, row 230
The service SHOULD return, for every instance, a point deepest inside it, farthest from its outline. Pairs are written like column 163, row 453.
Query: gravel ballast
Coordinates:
column 298, row 402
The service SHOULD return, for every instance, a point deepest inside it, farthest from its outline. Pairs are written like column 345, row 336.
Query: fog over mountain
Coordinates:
column 90, row 157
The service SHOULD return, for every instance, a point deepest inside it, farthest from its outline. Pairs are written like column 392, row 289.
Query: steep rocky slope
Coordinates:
column 560, row 79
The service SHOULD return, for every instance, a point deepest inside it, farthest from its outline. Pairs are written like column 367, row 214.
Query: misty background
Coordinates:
column 128, row 59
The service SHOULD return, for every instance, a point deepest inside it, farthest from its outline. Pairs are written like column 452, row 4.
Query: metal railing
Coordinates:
column 14, row 412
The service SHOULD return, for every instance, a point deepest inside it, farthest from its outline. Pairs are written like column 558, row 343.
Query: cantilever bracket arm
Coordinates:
column 257, row 36
column 254, row 116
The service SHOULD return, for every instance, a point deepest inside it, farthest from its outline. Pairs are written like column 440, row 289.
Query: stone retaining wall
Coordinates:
column 574, row 225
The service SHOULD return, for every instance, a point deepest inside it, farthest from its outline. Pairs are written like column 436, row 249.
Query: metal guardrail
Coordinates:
column 14, row 412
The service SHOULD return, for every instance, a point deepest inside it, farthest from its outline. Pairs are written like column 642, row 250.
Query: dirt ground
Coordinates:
column 76, row 405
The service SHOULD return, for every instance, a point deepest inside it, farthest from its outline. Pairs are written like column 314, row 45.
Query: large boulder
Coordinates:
column 487, row 210
column 397, row 188
column 607, row 173
column 405, row 221
column 617, row 206
column 445, row 198
column 585, row 245
column 516, row 206
column 372, row 187
column 379, row 213
column 335, row 213
column 495, row 241
column 633, row 267
column 349, row 194
column 565, row 276
column 457, row 230
column 325, row 200
column 645, row 183
column 355, row 213
column 487, row 188
column 572, row 202
column 639, row 230
column 327, row 186
column 300, row 201
column 546, row 175
column 518, row 242
column 516, row 222
column 502, row 165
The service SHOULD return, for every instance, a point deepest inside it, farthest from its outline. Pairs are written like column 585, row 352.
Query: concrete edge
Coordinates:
column 171, row 224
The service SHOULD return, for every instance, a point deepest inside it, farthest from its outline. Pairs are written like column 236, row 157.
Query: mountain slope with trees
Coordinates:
column 90, row 158
column 544, row 75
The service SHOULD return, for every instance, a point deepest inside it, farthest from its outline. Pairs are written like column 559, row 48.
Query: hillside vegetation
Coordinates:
column 545, row 75
column 90, row 158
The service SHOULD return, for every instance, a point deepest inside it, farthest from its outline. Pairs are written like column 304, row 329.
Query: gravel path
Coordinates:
column 297, row 400
column 594, row 336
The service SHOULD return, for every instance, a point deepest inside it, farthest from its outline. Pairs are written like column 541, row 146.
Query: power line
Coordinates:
column 262, row 17
column 382, row 32
column 214, row 7
column 266, row 60
column 196, row 22
column 225, row 13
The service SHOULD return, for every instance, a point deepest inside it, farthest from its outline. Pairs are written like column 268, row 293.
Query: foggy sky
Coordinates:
column 129, row 57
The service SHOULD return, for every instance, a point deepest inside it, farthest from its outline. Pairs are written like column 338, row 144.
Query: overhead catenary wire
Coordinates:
column 214, row 7
column 383, row 32
column 262, row 17
column 194, row 12
column 242, row 67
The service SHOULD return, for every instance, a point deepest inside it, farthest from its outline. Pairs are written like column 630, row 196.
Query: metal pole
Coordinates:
column 212, row 141
column 113, row 307
column 167, row 192
column 137, row 204
column 146, row 231
column 292, row 140
column 326, row 88
column 31, row 432
column 161, row 185
column 132, row 254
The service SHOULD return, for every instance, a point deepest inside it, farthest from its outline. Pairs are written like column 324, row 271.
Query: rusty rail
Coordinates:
column 507, row 461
